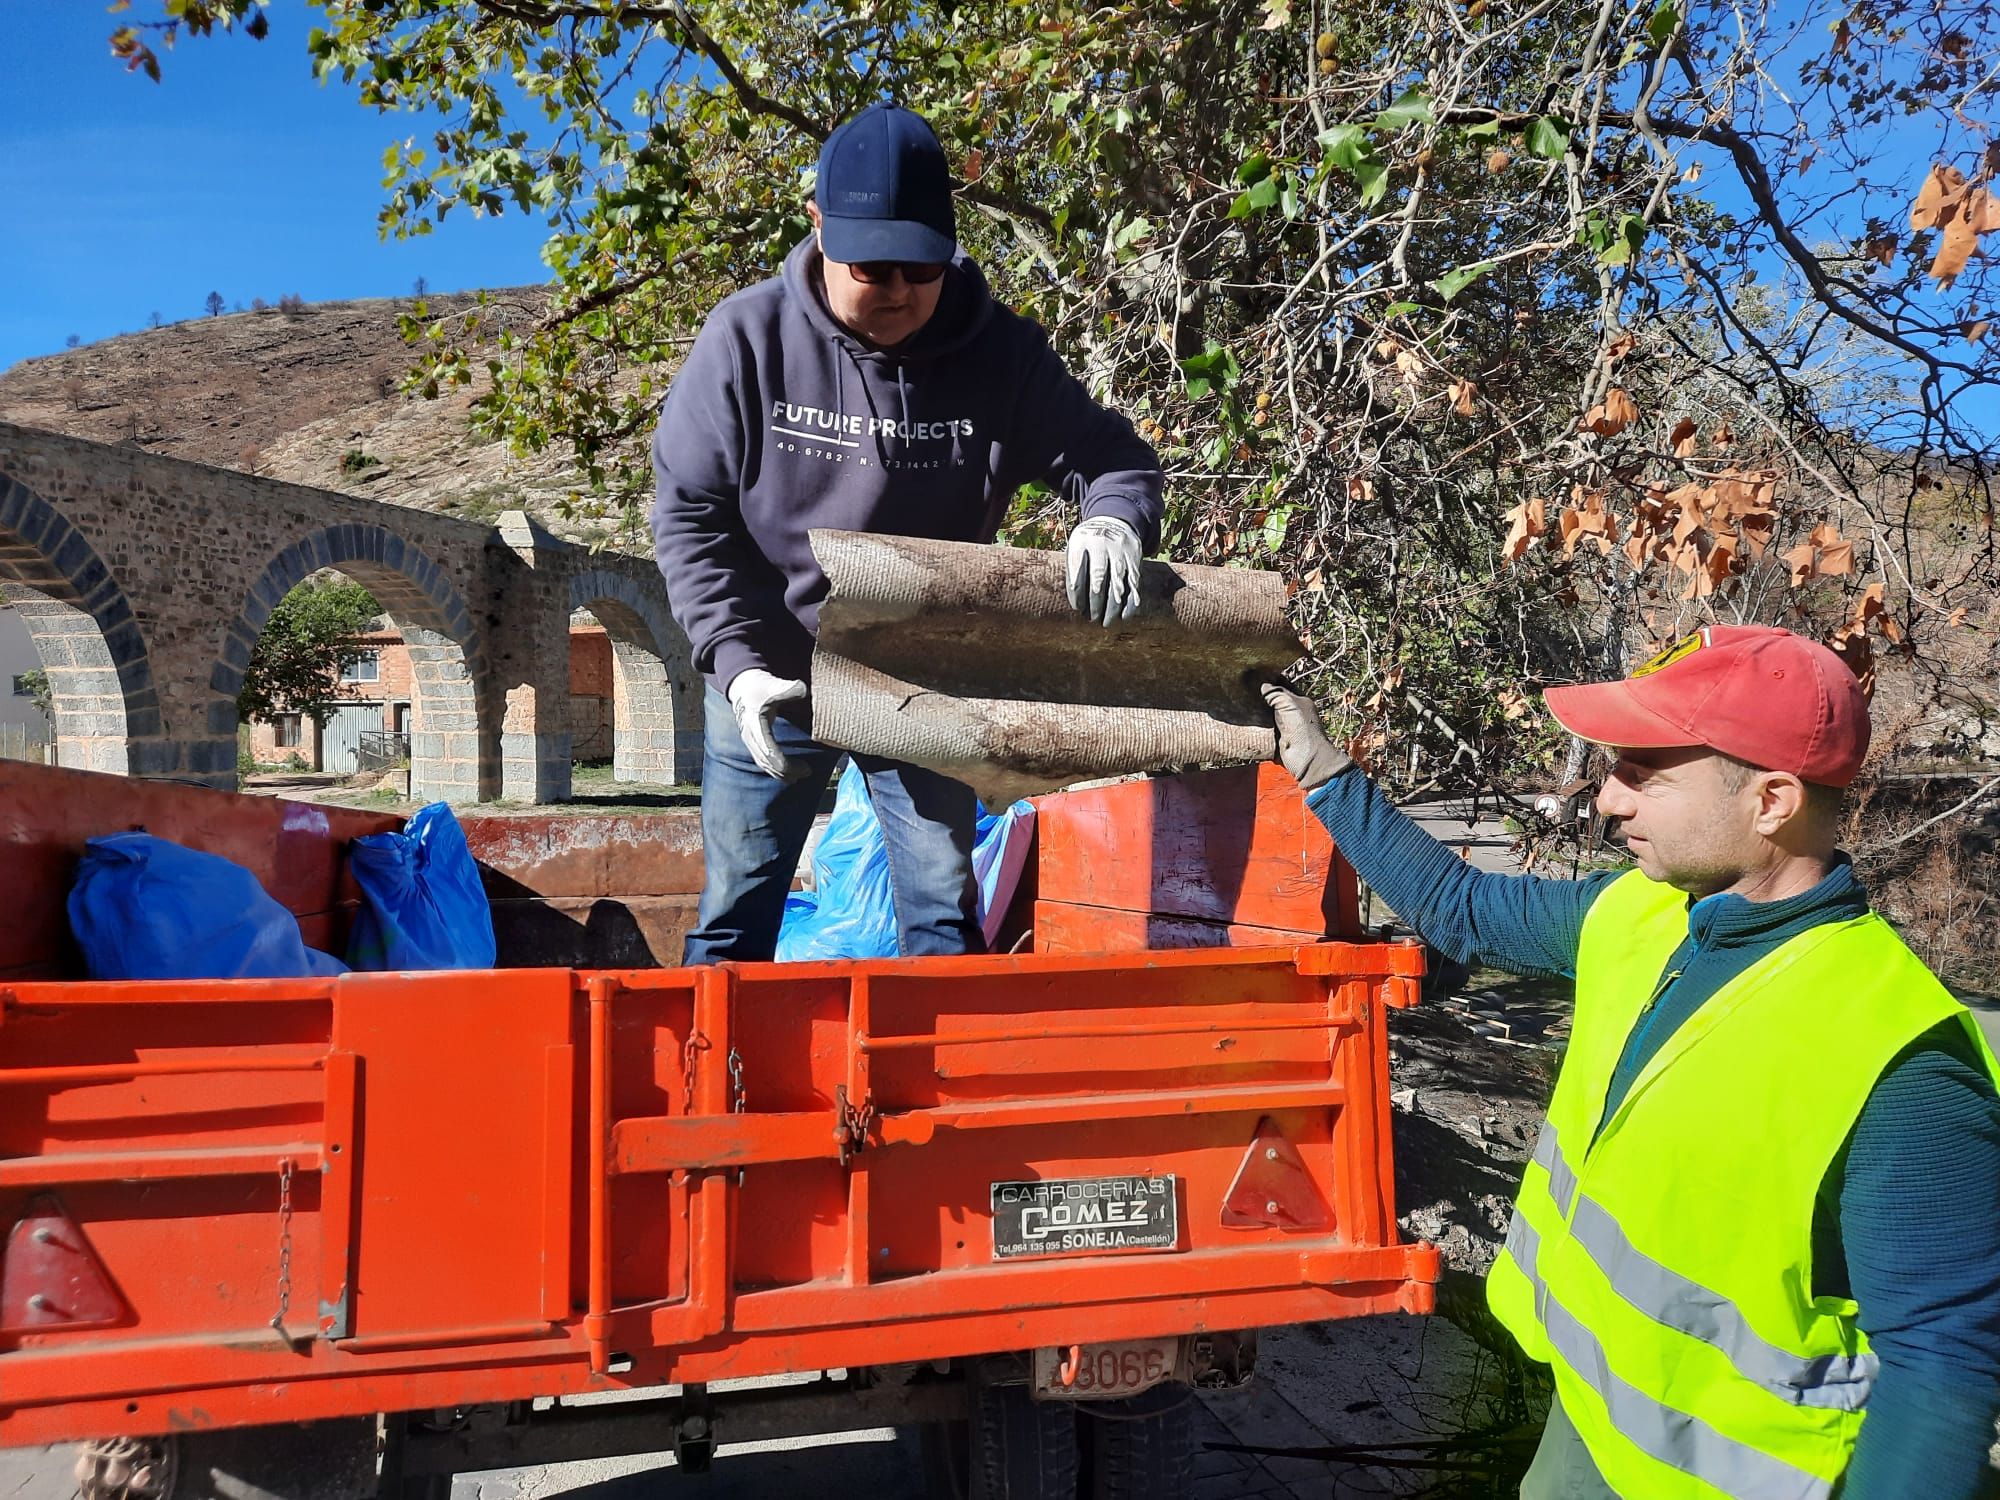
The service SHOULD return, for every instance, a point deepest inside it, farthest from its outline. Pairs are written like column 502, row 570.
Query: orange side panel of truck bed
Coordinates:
column 258, row 1201
column 389, row 1192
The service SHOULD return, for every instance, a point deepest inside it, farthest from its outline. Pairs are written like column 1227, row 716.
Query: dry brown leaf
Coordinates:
column 1852, row 647
column 1590, row 520
column 1757, row 532
column 1612, row 415
column 1463, row 393
column 1692, row 501
column 1724, row 436
column 1881, row 248
column 1957, row 616
column 1943, row 187
column 1409, row 367
column 1683, row 438
column 1639, row 549
column 1752, row 493
column 1836, row 552
column 1954, row 250
column 1525, row 522
column 1700, row 582
column 1360, row 490
column 1870, row 609
column 1721, row 560
column 1974, row 332
column 1621, row 346
column 1800, row 560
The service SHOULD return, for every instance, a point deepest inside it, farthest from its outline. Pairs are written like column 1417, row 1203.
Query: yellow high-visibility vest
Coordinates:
column 1662, row 1265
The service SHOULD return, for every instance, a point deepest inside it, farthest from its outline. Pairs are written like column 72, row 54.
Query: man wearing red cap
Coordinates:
column 1763, row 1206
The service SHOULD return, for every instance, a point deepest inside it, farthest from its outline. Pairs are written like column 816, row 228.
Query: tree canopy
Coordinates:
column 1520, row 334
column 296, row 665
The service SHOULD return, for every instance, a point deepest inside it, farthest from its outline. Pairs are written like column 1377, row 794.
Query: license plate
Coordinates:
column 1085, row 1216
column 1097, row 1371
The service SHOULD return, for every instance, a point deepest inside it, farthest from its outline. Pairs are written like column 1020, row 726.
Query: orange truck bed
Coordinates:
column 255, row 1202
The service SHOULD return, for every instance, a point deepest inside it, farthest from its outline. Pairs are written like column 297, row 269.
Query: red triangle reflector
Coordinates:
column 1273, row 1188
column 50, row 1278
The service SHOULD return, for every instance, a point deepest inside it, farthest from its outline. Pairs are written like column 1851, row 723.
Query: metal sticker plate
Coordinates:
column 1085, row 1216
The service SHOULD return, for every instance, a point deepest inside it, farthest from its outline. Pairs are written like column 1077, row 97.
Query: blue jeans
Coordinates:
column 754, row 827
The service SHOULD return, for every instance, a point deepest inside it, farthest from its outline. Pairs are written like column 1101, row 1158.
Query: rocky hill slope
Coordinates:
column 308, row 395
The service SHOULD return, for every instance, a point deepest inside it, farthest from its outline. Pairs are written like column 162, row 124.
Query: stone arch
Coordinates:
column 656, row 704
column 448, row 762
column 106, row 710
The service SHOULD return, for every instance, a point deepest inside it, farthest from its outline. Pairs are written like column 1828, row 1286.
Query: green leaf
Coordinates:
column 1214, row 369
column 1260, row 197
column 1397, row 309
column 1485, row 130
column 1412, row 107
column 1373, row 179
column 1345, row 145
column 1275, row 521
column 1288, row 198
column 1452, row 283
column 1256, row 169
column 1129, row 234
column 1548, row 137
column 1661, row 26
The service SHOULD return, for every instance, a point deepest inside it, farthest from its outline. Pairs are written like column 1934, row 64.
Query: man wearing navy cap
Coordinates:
column 1756, row 1244
column 875, row 385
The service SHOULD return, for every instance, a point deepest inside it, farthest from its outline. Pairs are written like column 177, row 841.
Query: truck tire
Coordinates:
column 330, row 1460
column 1012, row 1447
column 1141, row 1448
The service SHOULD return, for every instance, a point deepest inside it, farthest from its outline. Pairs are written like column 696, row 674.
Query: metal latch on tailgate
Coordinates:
column 850, row 1126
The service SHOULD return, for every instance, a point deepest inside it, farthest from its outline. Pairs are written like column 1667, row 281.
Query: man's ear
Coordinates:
column 1781, row 797
column 812, row 211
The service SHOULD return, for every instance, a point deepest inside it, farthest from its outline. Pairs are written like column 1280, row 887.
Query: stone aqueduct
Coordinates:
column 146, row 580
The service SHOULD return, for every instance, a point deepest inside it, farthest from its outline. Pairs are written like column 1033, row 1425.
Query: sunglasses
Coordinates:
column 880, row 272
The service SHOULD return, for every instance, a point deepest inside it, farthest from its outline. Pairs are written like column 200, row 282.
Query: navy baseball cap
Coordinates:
column 884, row 190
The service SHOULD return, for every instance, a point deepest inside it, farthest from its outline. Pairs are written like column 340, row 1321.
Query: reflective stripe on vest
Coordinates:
column 1660, row 1431
column 1838, row 1382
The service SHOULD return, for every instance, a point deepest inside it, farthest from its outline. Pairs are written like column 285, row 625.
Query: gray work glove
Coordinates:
column 1104, row 555
column 756, row 696
column 1303, row 746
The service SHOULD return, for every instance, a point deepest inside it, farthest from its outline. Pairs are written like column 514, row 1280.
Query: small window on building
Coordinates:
column 286, row 727
column 22, row 689
column 363, row 666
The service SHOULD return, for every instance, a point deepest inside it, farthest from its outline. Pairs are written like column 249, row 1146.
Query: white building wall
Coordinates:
column 18, row 655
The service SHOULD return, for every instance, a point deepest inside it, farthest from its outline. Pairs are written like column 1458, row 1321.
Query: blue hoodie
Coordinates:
column 782, row 420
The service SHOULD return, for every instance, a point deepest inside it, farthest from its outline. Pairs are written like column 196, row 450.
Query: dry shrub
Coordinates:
column 1938, row 884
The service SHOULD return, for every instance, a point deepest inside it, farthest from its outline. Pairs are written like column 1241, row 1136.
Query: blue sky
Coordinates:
column 237, row 173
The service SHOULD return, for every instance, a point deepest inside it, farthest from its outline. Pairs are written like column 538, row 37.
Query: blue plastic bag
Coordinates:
column 851, row 913
column 148, row 908
column 422, row 904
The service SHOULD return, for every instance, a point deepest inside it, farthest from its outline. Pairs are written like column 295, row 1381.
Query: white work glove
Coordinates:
column 1303, row 746
column 756, row 696
column 1104, row 557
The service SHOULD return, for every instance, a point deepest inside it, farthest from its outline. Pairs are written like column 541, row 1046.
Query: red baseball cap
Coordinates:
column 1764, row 695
